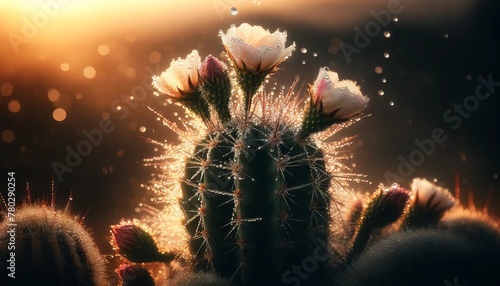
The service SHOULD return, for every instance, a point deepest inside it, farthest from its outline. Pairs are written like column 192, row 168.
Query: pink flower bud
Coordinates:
column 212, row 69
column 135, row 243
column 134, row 275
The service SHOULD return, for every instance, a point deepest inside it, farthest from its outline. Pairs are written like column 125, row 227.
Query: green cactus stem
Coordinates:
column 256, row 201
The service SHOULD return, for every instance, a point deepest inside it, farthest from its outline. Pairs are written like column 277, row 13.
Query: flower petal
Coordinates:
column 255, row 49
column 181, row 77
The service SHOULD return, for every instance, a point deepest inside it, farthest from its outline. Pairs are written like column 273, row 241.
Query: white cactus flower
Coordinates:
column 342, row 95
column 181, row 78
column 425, row 190
column 254, row 49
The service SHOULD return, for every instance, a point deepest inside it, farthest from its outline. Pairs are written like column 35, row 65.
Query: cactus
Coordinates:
column 256, row 189
column 274, row 201
column 51, row 246
column 257, row 186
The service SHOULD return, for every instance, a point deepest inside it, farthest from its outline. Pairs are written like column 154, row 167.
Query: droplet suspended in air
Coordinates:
column 6, row 89
column 303, row 62
column 445, row 35
column 380, row 92
column 387, row 34
column 495, row 176
column 233, row 11
column 65, row 67
column 378, row 70
column 395, row 19
column 315, row 54
column 384, row 80
column 14, row 106
column 391, row 103
column 142, row 129
column 303, row 50
column 103, row 49
column 89, row 72
column 59, row 114
column 53, row 94
column 386, row 55
column 8, row 136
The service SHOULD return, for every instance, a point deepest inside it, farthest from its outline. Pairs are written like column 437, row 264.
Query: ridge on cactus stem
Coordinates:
column 256, row 53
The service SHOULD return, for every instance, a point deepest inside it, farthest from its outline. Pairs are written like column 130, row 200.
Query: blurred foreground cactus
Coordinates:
column 51, row 248
column 259, row 189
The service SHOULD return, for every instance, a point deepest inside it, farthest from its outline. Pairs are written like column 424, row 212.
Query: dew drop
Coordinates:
column 303, row 62
column 378, row 70
column 142, row 129
column 495, row 176
column 380, row 92
column 386, row 55
column 65, row 67
column 303, row 50
column 315, row 54
column 387, row 34
column 391, row 103
column 395, row 19
column 233, row 11
column 445, row 35
column 384, row 80
column 176, row 114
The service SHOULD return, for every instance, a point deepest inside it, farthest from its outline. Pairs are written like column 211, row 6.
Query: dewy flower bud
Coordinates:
column 134, row 275
column 386, row 205
column 341, row 99
column 216, row 86
column 136, row 244
column 429, row 204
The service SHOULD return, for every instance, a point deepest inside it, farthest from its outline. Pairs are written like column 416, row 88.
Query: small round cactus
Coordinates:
column 51, row 246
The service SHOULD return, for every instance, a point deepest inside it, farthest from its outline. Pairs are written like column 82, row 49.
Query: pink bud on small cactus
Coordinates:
column 136, row 244
column 212, row 69
column 386, row 205
column 216, row 86
column 134, row 275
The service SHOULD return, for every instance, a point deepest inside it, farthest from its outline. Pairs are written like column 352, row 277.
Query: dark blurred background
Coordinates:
column 64, row 67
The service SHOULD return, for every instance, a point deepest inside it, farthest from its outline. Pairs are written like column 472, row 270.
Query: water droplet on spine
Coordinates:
column 234, row 11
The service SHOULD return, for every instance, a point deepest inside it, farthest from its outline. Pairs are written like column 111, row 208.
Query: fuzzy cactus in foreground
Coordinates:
column 51, row 247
